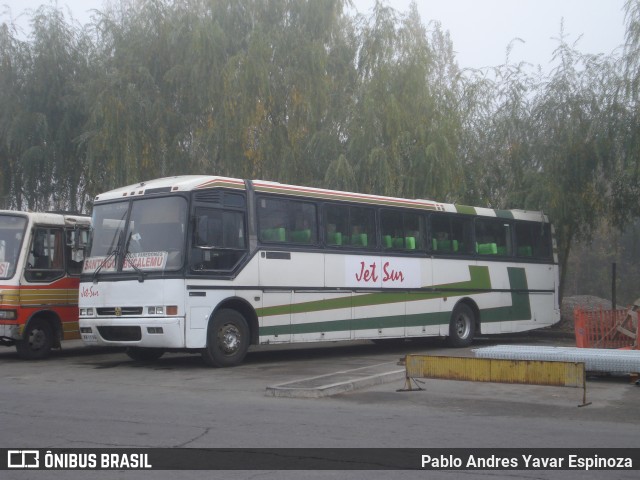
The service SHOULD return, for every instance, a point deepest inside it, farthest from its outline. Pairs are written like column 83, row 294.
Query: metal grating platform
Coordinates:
column 595, row 359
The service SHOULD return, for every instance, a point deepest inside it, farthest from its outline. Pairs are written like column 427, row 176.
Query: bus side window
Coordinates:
column 362, row 233
column 493, row 237
column 451, row 235
column 46, row 255
column 282, row 220
column 219, row 239
column 533, row 240
column 336, row 219
column 400, row 230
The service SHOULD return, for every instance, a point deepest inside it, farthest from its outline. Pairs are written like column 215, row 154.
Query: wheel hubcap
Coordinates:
column 463, row 326
column 37, row 339
column 229, row 339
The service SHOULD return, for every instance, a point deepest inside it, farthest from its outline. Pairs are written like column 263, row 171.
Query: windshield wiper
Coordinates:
column 128, row 257
column 112, row 253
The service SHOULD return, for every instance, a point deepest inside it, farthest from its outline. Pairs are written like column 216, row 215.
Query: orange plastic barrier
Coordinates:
column 606, row 328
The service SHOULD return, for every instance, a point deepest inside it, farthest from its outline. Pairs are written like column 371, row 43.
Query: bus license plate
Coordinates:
column 89, row 338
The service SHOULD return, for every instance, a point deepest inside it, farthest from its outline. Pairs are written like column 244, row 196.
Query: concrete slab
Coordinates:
column 338, row 382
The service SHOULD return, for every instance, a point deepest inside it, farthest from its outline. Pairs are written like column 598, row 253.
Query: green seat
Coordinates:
column 301, row 236
column 334, row 238
column 387, row 241
column 445, row 245
column 410, row 243
column 274, row 234
column 359, row 240
column 487, row 248
column 525, row 251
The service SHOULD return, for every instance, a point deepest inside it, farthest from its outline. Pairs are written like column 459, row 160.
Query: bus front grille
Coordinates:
column 120, row 334
column 118, row 311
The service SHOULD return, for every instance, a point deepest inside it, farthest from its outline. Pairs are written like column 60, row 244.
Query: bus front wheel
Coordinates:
column 227, row 339
column 462, row 327
column 37, row 341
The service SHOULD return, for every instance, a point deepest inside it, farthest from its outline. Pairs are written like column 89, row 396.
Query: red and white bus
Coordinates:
column 213, row 265
column 41, row 257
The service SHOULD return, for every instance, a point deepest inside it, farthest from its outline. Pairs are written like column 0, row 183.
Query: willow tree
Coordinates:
column 126, row 133
column 501, row 170
column 575, row 146
column 283, row 91
column 58, row 79
column 43, row 113
column 626, row 186
column 405, row 127
column 13, row 56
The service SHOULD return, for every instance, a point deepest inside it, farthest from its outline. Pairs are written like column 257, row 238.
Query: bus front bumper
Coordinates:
column 139, row 332
column 9, row 334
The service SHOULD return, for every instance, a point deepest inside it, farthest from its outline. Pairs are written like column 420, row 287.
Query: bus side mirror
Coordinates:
column 78, row 238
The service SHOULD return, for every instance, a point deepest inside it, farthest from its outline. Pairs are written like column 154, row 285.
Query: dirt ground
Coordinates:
column 585, row 302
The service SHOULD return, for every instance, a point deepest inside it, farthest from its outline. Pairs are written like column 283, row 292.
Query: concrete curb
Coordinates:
column 338, row 382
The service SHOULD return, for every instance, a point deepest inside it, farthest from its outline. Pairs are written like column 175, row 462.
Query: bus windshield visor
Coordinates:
column 11, row 235
column 149, row 236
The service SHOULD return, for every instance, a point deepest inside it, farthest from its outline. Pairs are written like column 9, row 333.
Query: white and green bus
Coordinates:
column 214, row 265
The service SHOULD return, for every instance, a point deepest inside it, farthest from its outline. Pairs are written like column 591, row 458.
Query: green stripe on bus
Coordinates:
column 370, row 323
column 520, row 309
column 466, row 209
column 504, row 214
column 479, row 280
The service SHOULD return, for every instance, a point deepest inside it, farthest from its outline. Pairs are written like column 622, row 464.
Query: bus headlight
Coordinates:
column 86, row 312
column 8, row 315
column 170, row 310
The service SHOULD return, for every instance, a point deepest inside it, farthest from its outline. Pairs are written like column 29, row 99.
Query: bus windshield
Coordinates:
column 138, row 235
column 11, row 235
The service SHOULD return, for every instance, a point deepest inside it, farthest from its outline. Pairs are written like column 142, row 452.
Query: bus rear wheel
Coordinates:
column 37, row 341
column 462, row 326
column 227, row 339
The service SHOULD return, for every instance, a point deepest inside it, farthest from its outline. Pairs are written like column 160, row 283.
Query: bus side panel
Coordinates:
column 499, row 309
column 318, row 316
column 540, row 280
column 381, row 312
column 290, row 270
column 59, row 297
column 379, row 315
column 525, row 299
column 275, row 316
column 202, row 304
column 422, row 312
column 280, row 273
column 453, row 280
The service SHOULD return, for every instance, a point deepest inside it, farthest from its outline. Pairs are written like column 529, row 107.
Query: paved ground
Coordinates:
column 99, row 398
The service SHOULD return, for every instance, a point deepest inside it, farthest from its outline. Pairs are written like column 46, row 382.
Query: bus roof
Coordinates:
column 185, row 183
column 51, row 218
